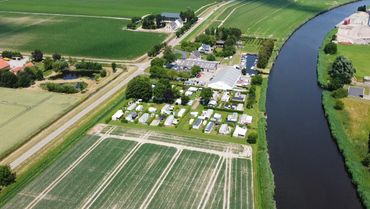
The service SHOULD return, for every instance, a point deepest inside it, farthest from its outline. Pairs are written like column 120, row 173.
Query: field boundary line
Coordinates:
column 65, row 15
column 232, row 11
column 161, row 179
column 227, row 185
column 211, row 184
column 66, row 172
column 108, row 180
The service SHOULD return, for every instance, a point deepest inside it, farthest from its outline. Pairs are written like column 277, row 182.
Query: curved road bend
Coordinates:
column 309, row 170
column 141, row 67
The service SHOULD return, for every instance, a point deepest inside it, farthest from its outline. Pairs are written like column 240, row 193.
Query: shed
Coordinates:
column 169, row 120
column 117, row 115
column 208, row 113
column 217, row 116
column 152, row 109
column 245, row 119
column 181, row 112
column 224, row 129
column 354, row 91
column 131, row 106
column 170, row 16
column 139, row 108
column 144, row 118
column 209, row 127
column 232, row 117
column 193, row 89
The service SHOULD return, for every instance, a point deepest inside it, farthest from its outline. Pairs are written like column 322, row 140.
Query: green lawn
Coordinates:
column 120, row 8
column 25, row 112
column 275, row 18
column 72, row 36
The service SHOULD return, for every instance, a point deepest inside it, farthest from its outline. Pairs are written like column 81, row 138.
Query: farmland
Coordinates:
column 273, row 19
column 29, row 112
column 114, row 167
column 74, row 36
column 121, row 8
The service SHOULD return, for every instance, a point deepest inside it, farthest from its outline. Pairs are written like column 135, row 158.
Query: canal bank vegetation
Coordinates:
column 348, row 117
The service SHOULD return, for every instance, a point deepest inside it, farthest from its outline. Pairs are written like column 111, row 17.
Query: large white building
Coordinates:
column 225, row 79
column 355, row 29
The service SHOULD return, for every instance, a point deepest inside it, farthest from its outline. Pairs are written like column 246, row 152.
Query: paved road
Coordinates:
column 100, row 100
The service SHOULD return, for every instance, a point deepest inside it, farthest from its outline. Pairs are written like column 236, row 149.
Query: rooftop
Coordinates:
column 356, row 91
column 225, row 79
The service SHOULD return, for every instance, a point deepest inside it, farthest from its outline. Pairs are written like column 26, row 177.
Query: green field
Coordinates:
column 25, row 112
column 119, row 8
column 117, row 171
column 74, row 36
column 274, row 18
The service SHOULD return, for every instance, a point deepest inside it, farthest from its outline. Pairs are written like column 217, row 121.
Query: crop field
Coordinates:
column 24, row 112
column 273, row 18
column 117, row 8
column 74, row 36
column 114, row 167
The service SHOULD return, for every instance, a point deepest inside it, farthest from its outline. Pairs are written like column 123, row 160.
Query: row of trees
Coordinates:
column 22, row 79
column 265, row 53
column 65, row 88
column 153, row 22
column 135, row 21
column 189, row 18
column 156, row 49
column 11, row 54
column 141, row 88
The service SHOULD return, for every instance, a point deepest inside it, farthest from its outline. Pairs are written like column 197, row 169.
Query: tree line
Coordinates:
column 265, row 53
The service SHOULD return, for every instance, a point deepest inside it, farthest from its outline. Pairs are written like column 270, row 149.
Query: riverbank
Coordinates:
column 350, row 126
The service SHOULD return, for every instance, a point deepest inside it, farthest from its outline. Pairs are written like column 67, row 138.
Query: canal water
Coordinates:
column 308, row 168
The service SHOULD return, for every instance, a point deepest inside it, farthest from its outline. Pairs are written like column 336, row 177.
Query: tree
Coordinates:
column 37, row 55
column 158, row 72
column 24, row 79
column 340, row 93
column 39, row 75
column 163, row 92
column 257, row 80
column 8, row 79
column 206, row 95
column 140, row 88
column 265, row 53
column 211, row 57
column 157, row 62
column 195, row 70
column 362, row 8
column 60, row 65
column 103, row 73
column 57, row 56
column 7, row 177
column 48, row 63
column 114, row 67
column 185, row 100
column 330, row 48
column 342, row 70
column 168, row 55
column 252, row 138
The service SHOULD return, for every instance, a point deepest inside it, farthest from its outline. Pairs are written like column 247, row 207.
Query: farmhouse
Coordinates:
column 225, row 79
column 187, row 64
column 170, row 16
column 4, row 65
column 205, row 48
column 355, row 29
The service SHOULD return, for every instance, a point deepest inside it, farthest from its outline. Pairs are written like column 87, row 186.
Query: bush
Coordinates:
column 340, row 93
column 342, row 70
column 63, row 88
column 7, row 177
column 257, row 80
column 37, row 55
column 330, row 48
column 339, row 105
column 103, row 73
column 211, row 57
column 252, row 138
column 83, row 65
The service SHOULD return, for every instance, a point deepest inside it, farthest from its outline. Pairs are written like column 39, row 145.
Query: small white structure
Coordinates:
column 217, row 116
column 155, row 122
column 166, row 109
column 193, row 89
column 240, row 107
column 190, row 102
column 212, row 103
column 245, row 119
column 207, row 113
column 181, row 112
column 139, row 108
column 152, row 109
column 131, row 116
column 240, row 132
column 205, row 48
column 191, row 121
column 209, row 127
column 188, row 93
column 198, row 122
column 118, row 115
column 225, row 97
column 131, row 106
column 224, row 129
column 194, row 114
column 178, row 101
column 232, row 117
column 169, row 120
column 144, row 118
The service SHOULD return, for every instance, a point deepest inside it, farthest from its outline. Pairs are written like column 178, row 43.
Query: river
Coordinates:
column 308, row 168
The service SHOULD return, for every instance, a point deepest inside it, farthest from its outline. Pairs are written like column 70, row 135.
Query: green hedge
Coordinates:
column 360, row 175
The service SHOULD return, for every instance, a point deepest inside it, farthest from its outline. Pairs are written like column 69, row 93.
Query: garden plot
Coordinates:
column 105, row 170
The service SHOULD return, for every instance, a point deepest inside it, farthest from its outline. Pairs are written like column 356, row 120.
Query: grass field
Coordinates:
column 137, row 170
column 121, row 8
column 24, row 112
column 74, row 36
column 274, row 18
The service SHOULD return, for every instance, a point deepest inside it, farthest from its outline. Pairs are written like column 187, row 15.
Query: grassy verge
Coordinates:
column 49, row 157
column 264, row 184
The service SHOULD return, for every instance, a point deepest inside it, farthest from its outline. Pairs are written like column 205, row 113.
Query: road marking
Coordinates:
column 66, row 172
column 160, row 180
column 212, row 180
